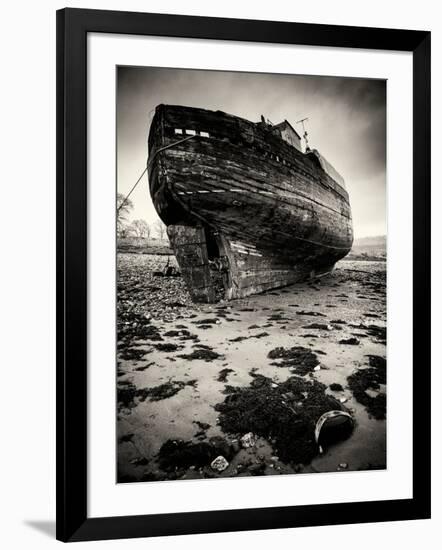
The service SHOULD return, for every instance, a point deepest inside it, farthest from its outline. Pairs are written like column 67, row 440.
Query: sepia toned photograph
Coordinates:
column 251, row 274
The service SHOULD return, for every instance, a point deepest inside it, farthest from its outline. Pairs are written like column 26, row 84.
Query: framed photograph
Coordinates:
column 243, row 210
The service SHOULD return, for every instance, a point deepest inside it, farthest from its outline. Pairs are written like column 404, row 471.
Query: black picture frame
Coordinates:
column 73, row 25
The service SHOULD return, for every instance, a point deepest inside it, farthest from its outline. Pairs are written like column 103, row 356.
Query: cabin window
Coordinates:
column 204, row 134
column 178, row 131
column 190, row 132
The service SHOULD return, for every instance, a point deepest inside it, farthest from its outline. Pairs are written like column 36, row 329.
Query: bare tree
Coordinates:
column 160, row 229
column 124, row 206
column 140, row 228
column 123, row 231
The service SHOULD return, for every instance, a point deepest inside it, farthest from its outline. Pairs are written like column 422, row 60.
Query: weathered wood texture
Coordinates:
column 248, row 185
column 189, row 245
column 252, row 271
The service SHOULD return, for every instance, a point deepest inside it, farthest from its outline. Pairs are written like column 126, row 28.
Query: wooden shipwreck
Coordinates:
column 246, row 209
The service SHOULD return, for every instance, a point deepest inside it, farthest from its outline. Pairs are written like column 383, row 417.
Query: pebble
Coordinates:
column 248, row 440
column 219, row 464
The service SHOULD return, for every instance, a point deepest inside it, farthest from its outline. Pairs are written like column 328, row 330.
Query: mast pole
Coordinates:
column 305, row 135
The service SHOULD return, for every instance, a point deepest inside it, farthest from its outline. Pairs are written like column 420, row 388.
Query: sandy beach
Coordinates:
column 247, row 380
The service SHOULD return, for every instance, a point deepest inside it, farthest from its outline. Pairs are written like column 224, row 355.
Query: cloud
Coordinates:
column 347, row 124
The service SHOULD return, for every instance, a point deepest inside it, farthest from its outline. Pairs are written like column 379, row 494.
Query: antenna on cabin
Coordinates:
column 305, row 136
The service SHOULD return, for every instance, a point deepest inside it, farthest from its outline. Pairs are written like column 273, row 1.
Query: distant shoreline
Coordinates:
column 372, row 252
column 364, row 248
column 169, row 252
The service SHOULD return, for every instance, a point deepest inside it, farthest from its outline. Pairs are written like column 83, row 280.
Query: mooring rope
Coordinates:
column 149, row 162
column 170, row 146
column 130, row 192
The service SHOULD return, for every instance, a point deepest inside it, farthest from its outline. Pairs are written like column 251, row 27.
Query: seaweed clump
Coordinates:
column 371, row 378
column 135, row 326
column 132, row 354
column 163, row 391
column 223, row 373
column 167, row 347
column 179, row 455
column 301, row 360
column 285, row 414
column 350, row 341
column 182, row 334
column 311, row 313
column 201, row 353
column 126, row 395
column 378, row 332
column 241, row 338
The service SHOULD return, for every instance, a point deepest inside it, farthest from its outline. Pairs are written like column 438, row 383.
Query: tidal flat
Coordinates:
column 247, row 380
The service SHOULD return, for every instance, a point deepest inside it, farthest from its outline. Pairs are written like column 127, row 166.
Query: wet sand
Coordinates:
column 178, row 361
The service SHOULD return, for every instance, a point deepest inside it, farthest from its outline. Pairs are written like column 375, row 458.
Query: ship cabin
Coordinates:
column 286, row 132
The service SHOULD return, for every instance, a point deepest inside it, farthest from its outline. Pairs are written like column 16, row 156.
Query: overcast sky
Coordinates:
column 347, row 124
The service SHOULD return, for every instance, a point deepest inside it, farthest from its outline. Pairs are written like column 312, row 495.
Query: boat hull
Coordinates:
column 265, row 210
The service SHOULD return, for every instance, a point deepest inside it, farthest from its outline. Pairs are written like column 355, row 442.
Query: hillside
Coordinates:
column 369, row 248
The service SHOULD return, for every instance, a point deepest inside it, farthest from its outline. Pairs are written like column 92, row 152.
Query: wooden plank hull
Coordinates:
column 262, row 212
